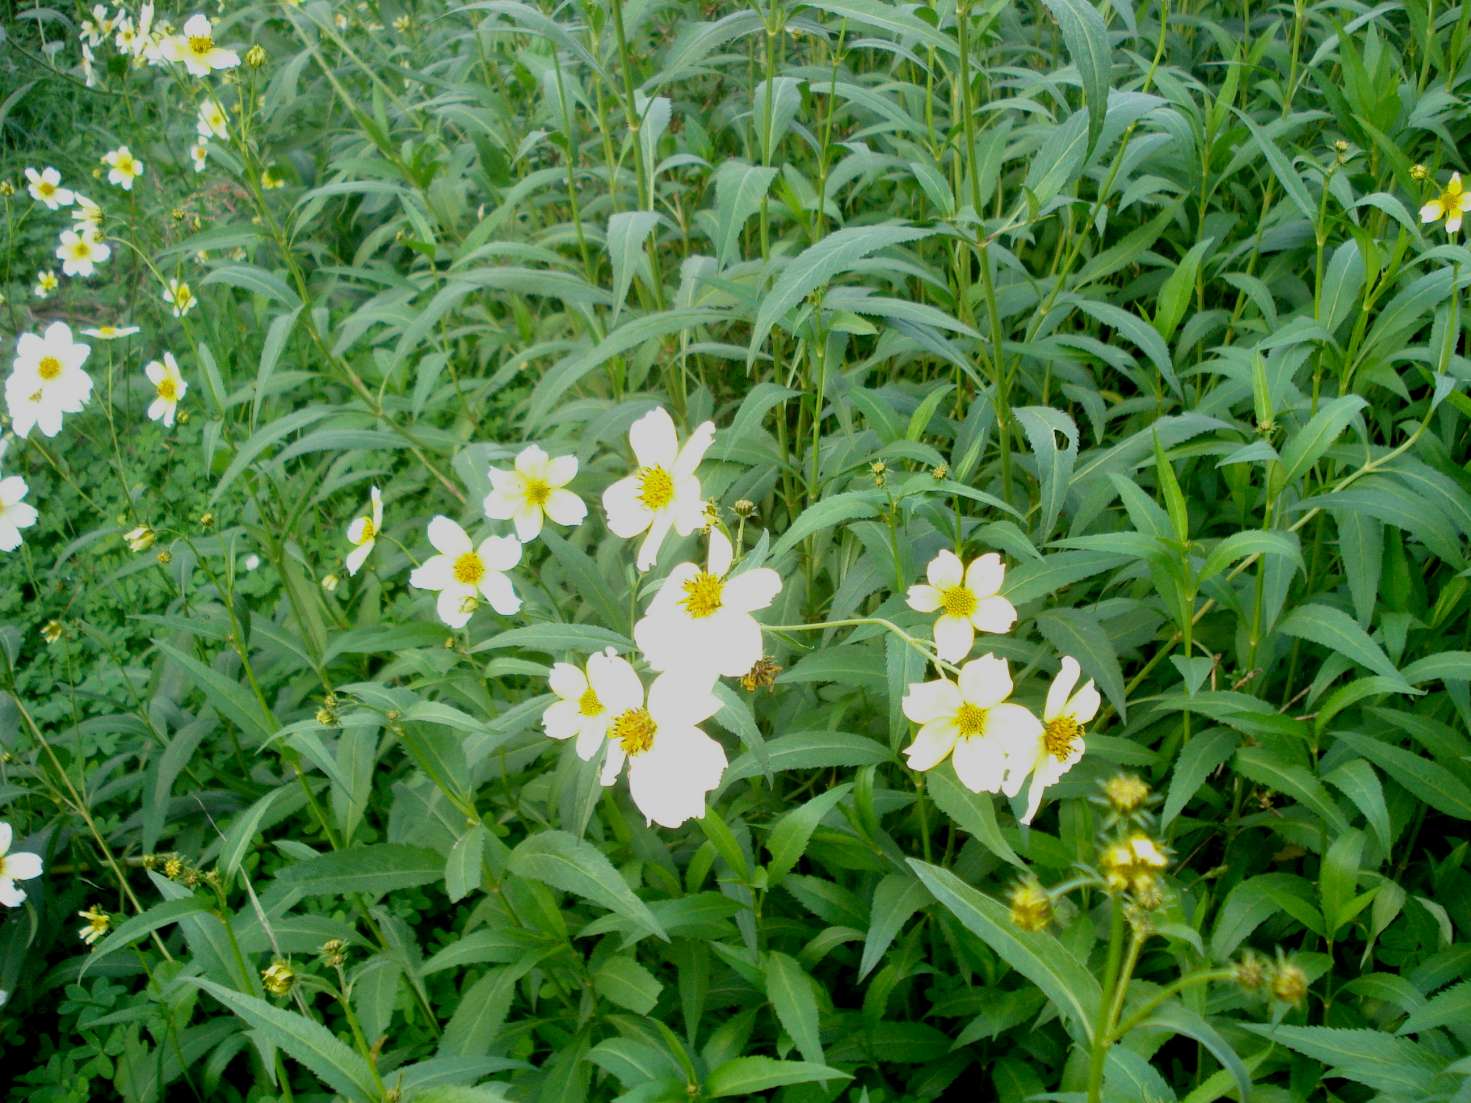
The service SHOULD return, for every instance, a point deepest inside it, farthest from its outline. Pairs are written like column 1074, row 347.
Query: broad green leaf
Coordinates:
column 1304, row 447
column 1086, row 37
column 374, row 869
column 1341, row 634
column 571, row 865
column 744, row 1076
column 230, row 699
column 792, row 997
column 140, row 926
column 623, row 981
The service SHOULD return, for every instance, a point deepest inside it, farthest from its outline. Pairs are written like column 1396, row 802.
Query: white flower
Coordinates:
column 178, row 296
column 80, row 253
column 663, row 493
column 140, row 539
column 700, row 620
column 127, row 37
column 463, row 573
column 46, row 282
column 1060, row 742
column 86, row 215
column 197, row 50
column 970, row 722
column 15, row 514
column 47, row 380
column 168, row 388
column 111, row 332
column 211, row 120
column 250, row 562
column 967, row 599
column 533, row 490
column 578, row 709
column 672, row 764
column 144, row 41
column 89, row 70
column 97, row 28
column 199, row 153
column 122, row 167
column 363, row 532
column 20, row 866
column 45, row 187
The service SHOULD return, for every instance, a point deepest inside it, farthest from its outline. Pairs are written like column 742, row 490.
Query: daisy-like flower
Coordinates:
column 197, row 50
column 46, row 282
column 672, row 764
column 126, row 40
column 122, row 167
column 363, row 532
column 534, row 489
column 45, row 187
column 19, row 866
column 97, row 28
column 700, row 621
column 179, row 297
column 98, row 923
column 967, row 599
column 140, row 539
column 168, row 388
column 80, row 253
column 145, row 40
column 15, row 514
column 199, row 154
column 212, row 120
column 47, row 380
column 578, row 710
column 1061, row 743
column 664, row 492
column 464, row 573
column 111, row 332
column 971, row 722
column 1450, row 205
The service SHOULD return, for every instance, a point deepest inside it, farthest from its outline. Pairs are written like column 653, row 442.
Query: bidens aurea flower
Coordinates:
column 178, row 296
column 464, row 573
column 211, row 120
column 967, row 599
column 1450, row 205
column 197, row 50
column 45, row 187
column 108, row 332
column 700, row 621
column 363, row 532
column 1061, row 743
column 20, row 866
column 535, row 489
column 672, row 764
column 664, row 492
column 47, row 380
column 46, row 282
column 15, row 514
column 579, row 709
column 80, row 253
column 122, row 167
column 971, row 722
column 168, row 388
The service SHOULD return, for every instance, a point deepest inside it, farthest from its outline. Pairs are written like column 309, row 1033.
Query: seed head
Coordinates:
column 1031, row 907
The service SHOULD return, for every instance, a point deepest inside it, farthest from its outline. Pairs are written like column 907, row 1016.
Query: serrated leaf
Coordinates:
column 571, row 865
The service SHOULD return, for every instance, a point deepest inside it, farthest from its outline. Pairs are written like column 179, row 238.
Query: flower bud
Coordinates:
column 278, row 978
column 1031, row 907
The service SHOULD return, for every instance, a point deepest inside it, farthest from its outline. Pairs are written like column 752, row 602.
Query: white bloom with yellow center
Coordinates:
column 80, row 253
column 168, row 388
column 1060, row 745
column 122, row 167
column 578, row 710
column 971, row 722
column 700, row 621
column 967, row 599
column 86, row 215
column 178, row 296
column 46, row 282
column 47, row 380
column 1450, row 205
column 111, row 332
column 197, row 50
column 363, row 532
column 464, row 573
column 45, row 188
column 212, row 122
column 672, row 764
column 199, row 154
column 534, row 489
column 664, row 492
column 19, row 866
column 97, row 28
column 15, row 514
column 126, row 39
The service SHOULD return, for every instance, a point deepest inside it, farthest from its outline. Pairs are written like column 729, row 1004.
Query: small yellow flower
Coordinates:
column 1251, row 972
column 98, row 922
column 46, row 282
column 122, row 167
column 1450, row 205
column 1125, row 793
column 140, row 539
column 1031, row 907
column 278, row 978
column 179, row 297
column 255, row 57
column 1289, row 983
column 51, row 631
column 173, row 867
column 270, row 181
column 1134, row 864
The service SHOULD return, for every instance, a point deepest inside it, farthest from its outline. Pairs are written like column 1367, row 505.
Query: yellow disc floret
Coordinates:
column 634, row 730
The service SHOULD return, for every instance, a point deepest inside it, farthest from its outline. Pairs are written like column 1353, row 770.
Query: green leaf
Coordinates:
column 462, row 870
column 627, row 232
column 1262, row 766
column 1076, row 632
column 228, row 698
column 896, row 899
column 739, row 189
column 1178, row 1018
column 571, row 865
column 1368, row 1057
column 375, row 869
column 316, row 1047
column 826, row 514
column 973, row 812
column 1429, row 781
column 792, row 997
column 1357, row 780
column 1038, row 956
column 1307, row 445
column 623, row 981
column 1086, row 37
column 744, row 1076
column 1341, row 634
column 1252, row 542
column 1287, row 176
column 1451, row 1007
column 790, row 835
column 1198, row 759
column 255, row 280
column 1043, row 425
column 140, row 926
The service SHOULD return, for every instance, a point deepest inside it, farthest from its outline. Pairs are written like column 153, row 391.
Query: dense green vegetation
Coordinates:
column 1149, row 314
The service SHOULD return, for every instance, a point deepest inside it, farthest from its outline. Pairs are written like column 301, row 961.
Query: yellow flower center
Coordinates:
column 1061, row 735
column 588, row 704
column 635, row 730
column 368, row 530
column 958, row 601
column 702, row 594
column 469, row 569
column 200, row 45
column 183, row 296
column 970, row 720
column 537, row 491
column 81, row 249
column 49, row 368
column 167, row 389
column 655, row 487
column 107, row 331
column 2, row 865
column 126, row 165
column 46, row 189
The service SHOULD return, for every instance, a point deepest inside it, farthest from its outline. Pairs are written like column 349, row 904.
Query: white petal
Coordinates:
column 980, row 764
column 612, row 763
column 561, row 720
column 435, row 573
column 591, row 736
column 931, row 744
column 721, row 554
column 680, row 701
column 498, row 591
column 695, row 448
column 670, row 780
column 565, row 508
column 356, row 529
column 751, row 590
column 648, row 551
column 447, row 537
column 923, row 598
column 500, row 553
column 927, row 701
column 953, row 638
column 984, row 575
column 615, row 683
column 452, row 607
column 532, row 461
column 688, row 507
column 11, row 895
column 653, row 439
column 985, row 681
column 7, row 836
column 12, row 489
column 1061, row 688
column 994, row 614
column 627, row 516
column 358, row 556
column 502, row 501
column 527, row 519
column 945, row 570
column 567, row 681
column 560, row 470
column 1084, row 704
